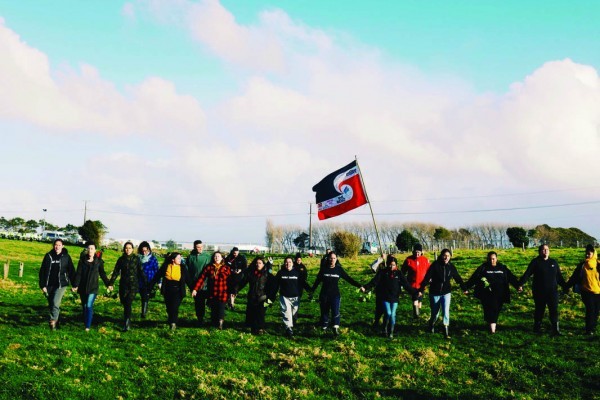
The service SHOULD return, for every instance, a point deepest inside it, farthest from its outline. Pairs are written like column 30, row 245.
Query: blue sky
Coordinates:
column 143, row 107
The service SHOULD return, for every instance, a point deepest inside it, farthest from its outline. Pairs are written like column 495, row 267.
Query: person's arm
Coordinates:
column 405, row 284
column 115, row 274
column 456, row 276
column 559, row 278
column 318, row 280
column 77, row 277
column 528, row 272
column 101, row 272
column 373, row 282
column 474, row 278
column 512, row 279
column 348, row 278
column 200, row 281
column 427, row 278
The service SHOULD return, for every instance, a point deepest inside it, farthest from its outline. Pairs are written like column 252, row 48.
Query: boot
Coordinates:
column 556, row 330
column 126, row 325
column 537, row 326
column 144, row 309
column 446, row 332
column 430, row 327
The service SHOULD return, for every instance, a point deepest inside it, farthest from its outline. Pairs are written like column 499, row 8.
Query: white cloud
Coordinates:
column 82, row 101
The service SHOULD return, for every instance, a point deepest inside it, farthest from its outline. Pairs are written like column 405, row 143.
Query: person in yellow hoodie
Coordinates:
column 174, row 280
column 586, row 280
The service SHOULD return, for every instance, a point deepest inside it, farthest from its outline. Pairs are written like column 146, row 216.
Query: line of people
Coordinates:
column 215, row 280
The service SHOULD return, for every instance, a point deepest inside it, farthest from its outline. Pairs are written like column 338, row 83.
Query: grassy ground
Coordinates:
column 152, row 362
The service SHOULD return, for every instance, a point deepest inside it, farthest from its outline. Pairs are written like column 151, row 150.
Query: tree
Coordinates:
column 405, row 241
column 89, row 232
column 517, row 236
column 171, row 245
column 346, row 244
column 31, row 226
column 301, row 242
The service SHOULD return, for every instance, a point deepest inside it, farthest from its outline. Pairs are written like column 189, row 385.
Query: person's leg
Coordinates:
column 387, row 306
column 89, row 310
column 446, row 313
column 434, row 306
column 394, row 308
column 588, row 301
column 538, row 314
column 259, row 319
column 286, row 312
column 553, row 311
column 379, row 310
column 335, row 311
column 325, row 306
column 55, row 296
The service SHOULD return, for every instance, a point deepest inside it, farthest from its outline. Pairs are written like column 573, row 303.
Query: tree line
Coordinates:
column 19, row 228
column 396, row 235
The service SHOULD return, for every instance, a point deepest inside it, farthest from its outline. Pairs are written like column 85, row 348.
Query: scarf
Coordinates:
column 145, row 258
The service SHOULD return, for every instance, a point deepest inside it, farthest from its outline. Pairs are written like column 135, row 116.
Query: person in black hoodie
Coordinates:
column 258, row 277
column 438, row 278
column 174, row 277
column 56, row 273
column 130, row 268
column 546, row 279
column 390, row 282
column 330, row 298
column 289, row 282
column 89, row 269
column 491, row 281
column 238, row 264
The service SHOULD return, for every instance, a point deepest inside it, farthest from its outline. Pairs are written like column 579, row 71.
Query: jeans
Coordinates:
column 87, row 301
column 390, row 313
column 55, row 296
column 437, row 304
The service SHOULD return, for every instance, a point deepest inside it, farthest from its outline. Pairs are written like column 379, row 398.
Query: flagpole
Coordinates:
column 370, row 207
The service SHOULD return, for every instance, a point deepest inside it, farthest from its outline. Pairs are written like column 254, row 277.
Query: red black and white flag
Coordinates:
column 340, row 192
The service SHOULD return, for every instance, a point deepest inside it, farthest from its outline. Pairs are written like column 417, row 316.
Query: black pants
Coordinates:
column 200, row 302
column 592, row 310
column 127, row 298
column 379, row 309
column 255, row 314
column 172, row 294
column 541, row 301
column 217, row 311
column 492, row 305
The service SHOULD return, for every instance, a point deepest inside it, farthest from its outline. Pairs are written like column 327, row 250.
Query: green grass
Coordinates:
column 152, row 362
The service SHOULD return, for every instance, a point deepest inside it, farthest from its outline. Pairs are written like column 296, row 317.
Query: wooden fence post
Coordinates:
column 6, row 267
column 21, row 267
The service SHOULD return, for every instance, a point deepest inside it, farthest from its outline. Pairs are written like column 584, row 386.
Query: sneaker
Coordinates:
column 173, row 326
column 336, row 331
column 87, row 329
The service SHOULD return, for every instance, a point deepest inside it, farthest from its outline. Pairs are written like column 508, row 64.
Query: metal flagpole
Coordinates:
column 370, row 207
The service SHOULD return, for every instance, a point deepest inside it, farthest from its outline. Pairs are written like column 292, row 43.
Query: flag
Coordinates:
column 340, row 192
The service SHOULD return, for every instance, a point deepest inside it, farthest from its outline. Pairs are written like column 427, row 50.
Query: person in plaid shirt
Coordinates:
column 216, row 274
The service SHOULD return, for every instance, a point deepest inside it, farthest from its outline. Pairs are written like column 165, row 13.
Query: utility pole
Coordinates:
column 84, row 211
column 309, row 225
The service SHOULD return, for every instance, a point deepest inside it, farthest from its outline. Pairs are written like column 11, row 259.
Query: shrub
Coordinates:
column 346, row 244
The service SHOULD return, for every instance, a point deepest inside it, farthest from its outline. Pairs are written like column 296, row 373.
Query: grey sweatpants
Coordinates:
column 289, row 308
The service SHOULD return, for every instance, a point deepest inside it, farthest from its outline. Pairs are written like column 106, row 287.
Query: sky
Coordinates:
column 193, row 120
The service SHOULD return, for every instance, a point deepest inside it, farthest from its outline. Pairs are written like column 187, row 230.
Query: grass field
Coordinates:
column 150, row 361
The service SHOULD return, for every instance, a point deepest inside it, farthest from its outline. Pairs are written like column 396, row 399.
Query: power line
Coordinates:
column 380, row 213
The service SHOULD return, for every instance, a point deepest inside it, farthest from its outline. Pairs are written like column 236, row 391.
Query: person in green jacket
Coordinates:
column 195, row 263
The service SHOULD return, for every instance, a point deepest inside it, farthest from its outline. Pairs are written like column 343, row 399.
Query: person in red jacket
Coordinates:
column 414, row 268
column 217, row 275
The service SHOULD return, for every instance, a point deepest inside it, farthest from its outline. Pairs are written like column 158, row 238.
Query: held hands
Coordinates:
column 194, row 293
column 520, row 289
column 73, row 289
column 362, row 289
column 45, row 290
column 110, row 288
